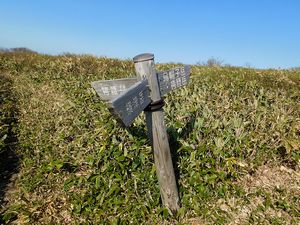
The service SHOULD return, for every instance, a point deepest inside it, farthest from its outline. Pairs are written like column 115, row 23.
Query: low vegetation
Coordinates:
column 234, row 133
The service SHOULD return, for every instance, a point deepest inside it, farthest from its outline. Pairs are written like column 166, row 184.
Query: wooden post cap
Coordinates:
column 143, row 57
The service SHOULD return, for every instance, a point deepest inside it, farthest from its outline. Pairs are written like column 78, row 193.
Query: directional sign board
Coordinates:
column 128, row 97
column 173, row 79
column 132, row 102
column 110, row 89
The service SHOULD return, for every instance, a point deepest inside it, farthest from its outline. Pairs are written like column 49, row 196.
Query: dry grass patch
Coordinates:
column 269, row 196
column 270, row 177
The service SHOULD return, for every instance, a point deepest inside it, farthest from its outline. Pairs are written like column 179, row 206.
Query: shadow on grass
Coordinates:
column 173, row 137
column 138, row 131
column 9, row 160
column 175, row 145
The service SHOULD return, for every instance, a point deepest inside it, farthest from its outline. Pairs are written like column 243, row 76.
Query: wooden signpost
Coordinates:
column 128, row 97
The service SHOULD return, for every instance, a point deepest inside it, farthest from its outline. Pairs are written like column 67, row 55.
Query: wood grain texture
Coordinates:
column 110, row 89
column 146, row 69
column 131, row 103
column 170, row 80
column 158, row 136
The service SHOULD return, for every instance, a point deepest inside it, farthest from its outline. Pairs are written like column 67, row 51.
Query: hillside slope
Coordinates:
column 234, row 133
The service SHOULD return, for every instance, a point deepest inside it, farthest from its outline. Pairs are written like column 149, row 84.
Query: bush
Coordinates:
column 80, row 166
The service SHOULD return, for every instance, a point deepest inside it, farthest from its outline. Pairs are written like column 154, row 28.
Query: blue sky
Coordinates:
column 260, row 33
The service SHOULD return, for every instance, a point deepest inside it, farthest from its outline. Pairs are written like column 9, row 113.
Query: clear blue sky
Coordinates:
column 262, row 33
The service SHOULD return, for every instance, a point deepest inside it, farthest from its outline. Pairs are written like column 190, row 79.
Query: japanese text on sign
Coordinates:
column 173, row 79
column 132, row 102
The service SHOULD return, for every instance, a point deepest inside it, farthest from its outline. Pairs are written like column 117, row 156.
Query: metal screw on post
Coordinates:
column 145, row 68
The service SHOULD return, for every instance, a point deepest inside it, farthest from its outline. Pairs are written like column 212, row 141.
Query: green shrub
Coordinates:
column 79, row 166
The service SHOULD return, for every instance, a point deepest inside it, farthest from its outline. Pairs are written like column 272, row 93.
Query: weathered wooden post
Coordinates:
column 145, row 68
column 128, row 97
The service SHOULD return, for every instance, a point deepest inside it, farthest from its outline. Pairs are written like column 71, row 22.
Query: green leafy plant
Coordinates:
column 79, row 166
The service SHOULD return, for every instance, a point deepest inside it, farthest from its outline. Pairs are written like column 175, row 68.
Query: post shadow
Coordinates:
column 175, row 145
column 173, row 137
column 9, row 160
column 138, row 131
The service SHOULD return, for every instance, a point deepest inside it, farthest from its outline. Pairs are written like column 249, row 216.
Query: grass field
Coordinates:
column 234, row 134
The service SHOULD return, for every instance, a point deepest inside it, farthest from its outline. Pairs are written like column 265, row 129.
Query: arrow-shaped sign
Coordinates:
column 110, row 89
column 173, row 79
column 132, row 102
column 129, row 97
